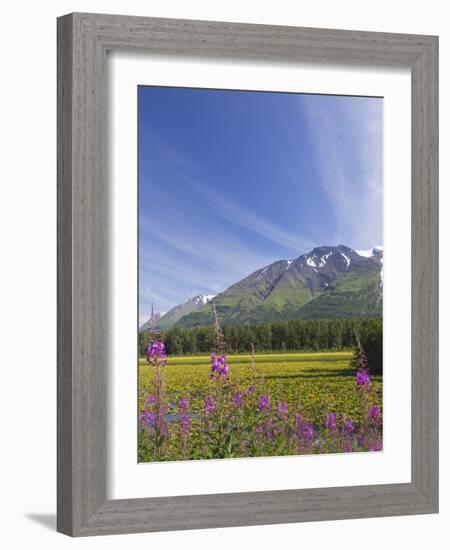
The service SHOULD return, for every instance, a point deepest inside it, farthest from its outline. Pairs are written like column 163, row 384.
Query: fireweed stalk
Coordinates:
column 154, row 417
column 331, row 433
column 218, row 406
column 185, row 425
column 369, row 436
column 304, row 433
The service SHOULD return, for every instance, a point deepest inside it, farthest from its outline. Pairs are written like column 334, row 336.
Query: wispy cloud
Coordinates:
column 346, row 141
column 235, row 213
column 191, row 262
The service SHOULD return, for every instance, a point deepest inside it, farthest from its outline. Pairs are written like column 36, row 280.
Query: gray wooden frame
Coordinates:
column 83, row 40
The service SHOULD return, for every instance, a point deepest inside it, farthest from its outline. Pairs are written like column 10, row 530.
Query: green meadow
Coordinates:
column 311, row 383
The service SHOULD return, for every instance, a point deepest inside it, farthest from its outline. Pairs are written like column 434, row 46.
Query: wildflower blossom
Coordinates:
column 264, row 402
column 299, row 420
column 210, row 405
column 331, row 422
column 185, row 423
column 376, row 445
column 238, row 400
column 348, row 446
column 307, row 431
column 219, row 367
column 183, row 404
column 282, row 409
column 269, row 428
column 374, row 414
column 363, row 378
column 156, row 351
column 151, row 399
column 250, row 390
column 348, row 426
column 149, row 419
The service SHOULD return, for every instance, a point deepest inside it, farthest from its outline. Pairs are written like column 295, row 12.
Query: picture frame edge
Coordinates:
column 83, row 509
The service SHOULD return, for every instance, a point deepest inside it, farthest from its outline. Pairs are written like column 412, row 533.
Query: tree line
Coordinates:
column 280, row 336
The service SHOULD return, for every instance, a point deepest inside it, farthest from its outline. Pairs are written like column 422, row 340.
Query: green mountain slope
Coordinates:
column 328, row 282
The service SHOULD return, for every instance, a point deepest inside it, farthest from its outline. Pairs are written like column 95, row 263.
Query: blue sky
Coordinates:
column 231, row 181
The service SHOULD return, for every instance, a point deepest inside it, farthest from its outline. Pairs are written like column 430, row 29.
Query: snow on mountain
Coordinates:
column 320, row 257
column 370, row 251
column 346, row 258
column 207, row 298
column 201, row 299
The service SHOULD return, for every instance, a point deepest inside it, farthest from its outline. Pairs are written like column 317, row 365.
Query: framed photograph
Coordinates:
column 247, row 274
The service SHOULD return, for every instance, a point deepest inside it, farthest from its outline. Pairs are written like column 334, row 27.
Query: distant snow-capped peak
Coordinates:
column 207, row 297
column 370, row 251
column 318, row 257
column 200, row 299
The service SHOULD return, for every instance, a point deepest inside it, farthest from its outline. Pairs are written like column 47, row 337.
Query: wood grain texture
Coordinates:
column 83, row 40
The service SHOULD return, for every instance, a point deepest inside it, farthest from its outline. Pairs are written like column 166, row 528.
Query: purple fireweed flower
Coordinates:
column 210, row 405
column 348, row 426
column 348, row 447
column 238, row 399
column 150, row 400
column 250, row 389
column 376, row 445
column 282, row 409
column 259, row 428
column 163, row 429
column 374, row 414
column 269, row 428
column 149, row 419
column 363, row 378
column 156, row 352
column 360, row 439
column 219, row 367
column 264, row 402
column 299, row 420
column 183, row 404
column 185, row 423
column 331, row 422
column 307, row 431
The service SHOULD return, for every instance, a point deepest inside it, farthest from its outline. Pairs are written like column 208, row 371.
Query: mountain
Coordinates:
column 179, row 311
column 375, row 251
column 328, row 282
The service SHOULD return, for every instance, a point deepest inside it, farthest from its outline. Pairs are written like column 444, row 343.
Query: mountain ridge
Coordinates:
column 169, row 318
column 327, row 282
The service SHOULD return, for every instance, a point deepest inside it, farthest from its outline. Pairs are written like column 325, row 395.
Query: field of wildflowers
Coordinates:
column 247, row 406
